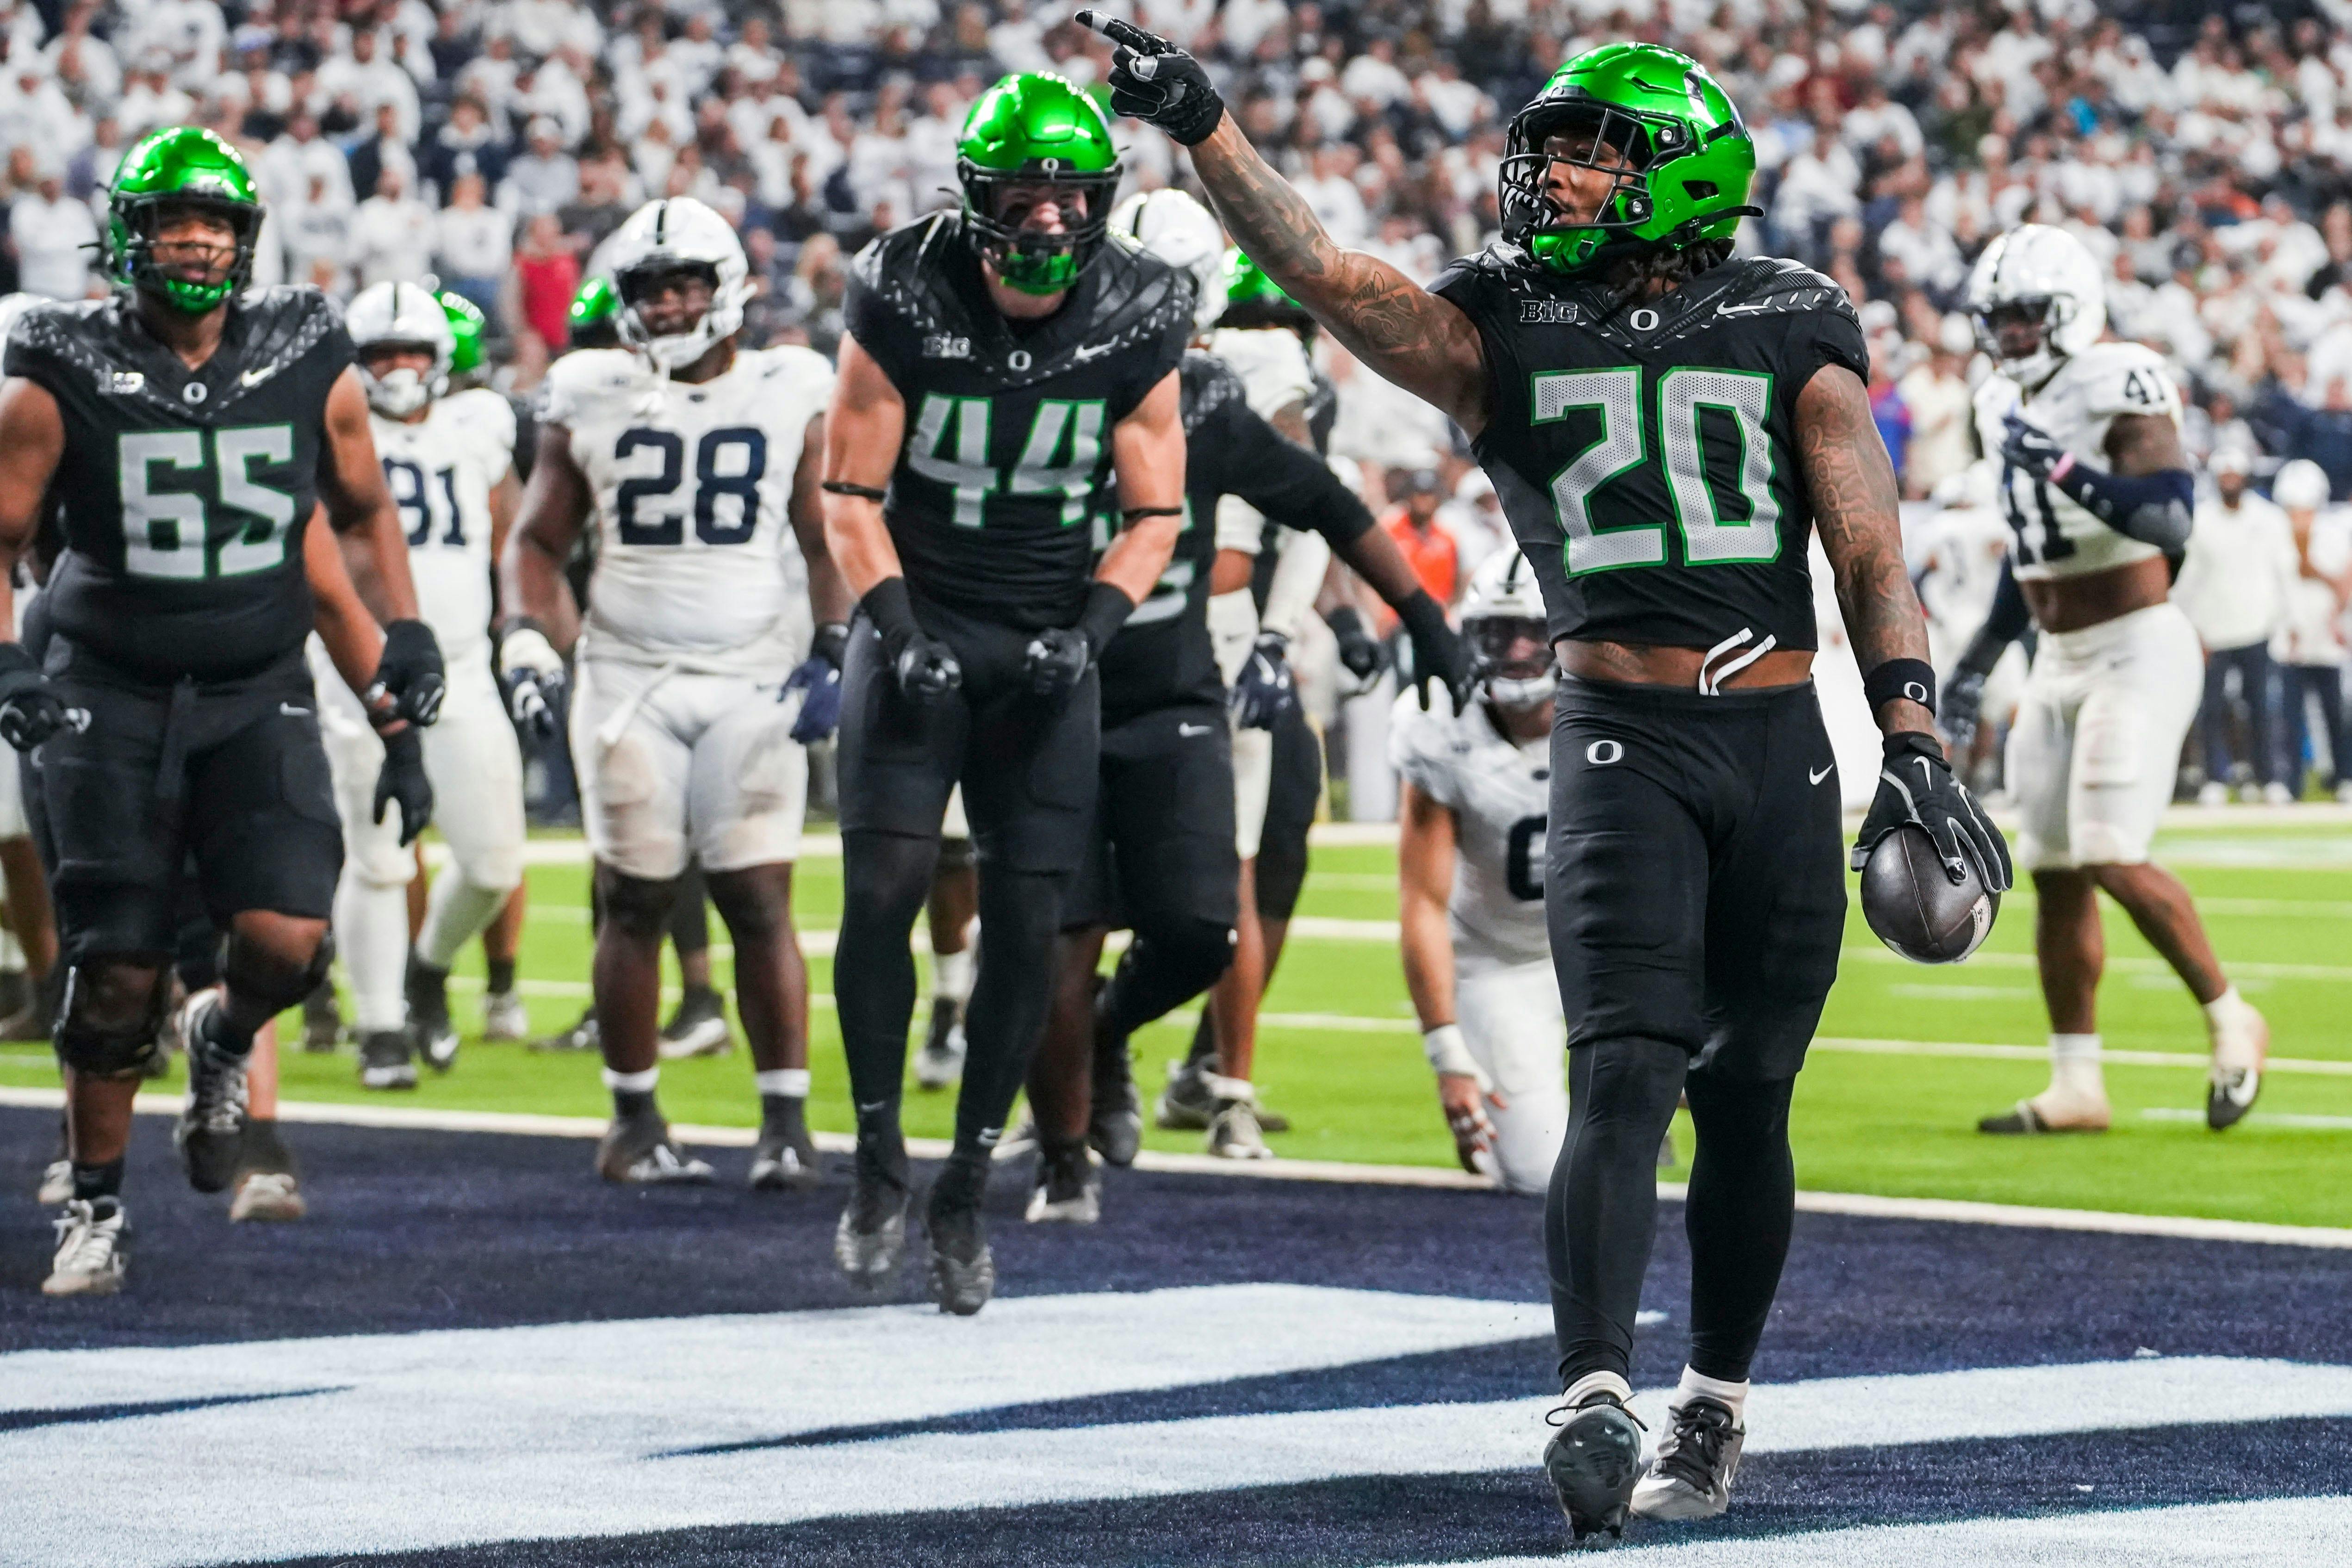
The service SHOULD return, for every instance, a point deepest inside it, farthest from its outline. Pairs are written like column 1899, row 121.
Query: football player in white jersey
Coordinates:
column 696, row 462
column 2097, row 491
column 448, row 458
column 1474, row 801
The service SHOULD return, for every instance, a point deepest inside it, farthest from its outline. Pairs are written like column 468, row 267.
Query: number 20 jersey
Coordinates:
column 2051, row 534
column 184, row 494
column 1646, row 451
column 696, row 559
column 441, row 471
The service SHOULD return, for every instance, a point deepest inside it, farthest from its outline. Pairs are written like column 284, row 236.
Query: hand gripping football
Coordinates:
column 1915, row 908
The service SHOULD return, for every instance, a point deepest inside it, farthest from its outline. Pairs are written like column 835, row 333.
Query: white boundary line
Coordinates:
column 1864, row 1205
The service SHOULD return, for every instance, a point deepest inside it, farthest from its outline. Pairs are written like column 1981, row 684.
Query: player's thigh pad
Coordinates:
column 748, row 792
column 1511, row 1022
column 2040, row 766
column 2140, row 700
column 261, row 811
column 1776, row 892
column 113, row 857
column 632, row 768
column 1625, row 872
column 1167, row 800
column 475, row 765
column 1252, row 787
column 897, row 758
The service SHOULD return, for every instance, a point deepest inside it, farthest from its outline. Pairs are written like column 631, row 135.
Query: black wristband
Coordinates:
column 1901, row 680
column 1132, row 513
column 1422, row 614
column 1345, row 621
column 830, row 643
column 1108, row 608
column 863, row 492
column 892, row 609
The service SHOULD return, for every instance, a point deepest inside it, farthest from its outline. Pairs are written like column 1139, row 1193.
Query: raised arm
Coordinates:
column 1401, row 329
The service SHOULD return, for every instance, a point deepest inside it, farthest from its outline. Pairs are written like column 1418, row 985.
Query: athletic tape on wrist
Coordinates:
column 1449, row 1053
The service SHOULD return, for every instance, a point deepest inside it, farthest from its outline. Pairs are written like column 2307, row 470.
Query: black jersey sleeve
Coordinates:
column 867, row 313
column 1480, row 289
column 1286, row 481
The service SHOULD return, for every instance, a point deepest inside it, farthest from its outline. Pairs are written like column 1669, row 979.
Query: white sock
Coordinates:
column 790, row 1081
column 2075, row 1066
column 457, row 913
column 632, row 1082
column 951, row 974
column 1695, row 1385
column 12, row 953
column 1593, row 1383
column 2235, row 1026
column 372, row 936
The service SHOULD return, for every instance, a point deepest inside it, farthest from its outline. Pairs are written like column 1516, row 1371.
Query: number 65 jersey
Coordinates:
column 2051, row 534
column 1646, row 451
column 696, row 560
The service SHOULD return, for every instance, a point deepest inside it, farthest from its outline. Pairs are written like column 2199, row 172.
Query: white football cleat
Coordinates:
column 1698, row 1455
column 90, row 1256
column 2240, row 1050
column 504, row 1017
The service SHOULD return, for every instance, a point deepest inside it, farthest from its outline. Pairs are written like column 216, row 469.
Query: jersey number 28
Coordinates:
column 728, row 462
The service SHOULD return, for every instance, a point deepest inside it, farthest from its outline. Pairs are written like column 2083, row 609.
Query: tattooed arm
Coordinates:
column 1852, row 481
column 1401, row 329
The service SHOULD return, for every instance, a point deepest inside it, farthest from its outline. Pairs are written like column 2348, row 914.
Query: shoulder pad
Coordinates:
column 2118, row 377
column 586, row 377
column 789, row 360
column 900, row 270
column 1424, row 747
column 1769, row 285
column 281, row 325
column 1206, row 383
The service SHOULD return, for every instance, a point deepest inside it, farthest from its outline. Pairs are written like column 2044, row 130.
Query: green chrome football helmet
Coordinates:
column 595, row 315
column 1680, row 156
column 1034, row 128
column 466, row 326
column 1254, row 299
column 178, row 167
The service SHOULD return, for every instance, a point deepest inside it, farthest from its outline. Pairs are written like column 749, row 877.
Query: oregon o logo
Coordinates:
column 195, row 392
column 1018, row 359
column 1643, row 320
column 1601, row 753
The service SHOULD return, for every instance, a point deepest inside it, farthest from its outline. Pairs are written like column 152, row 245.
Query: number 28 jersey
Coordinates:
column 696, row 559
column 2052, row 534
column 1646, row 453
column 441, row 471
column 185, row 493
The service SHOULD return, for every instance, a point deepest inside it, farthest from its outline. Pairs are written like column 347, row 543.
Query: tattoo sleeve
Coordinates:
column 1403, row 331
column 1857, row 508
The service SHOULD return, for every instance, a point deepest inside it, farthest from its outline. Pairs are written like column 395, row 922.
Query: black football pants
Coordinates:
column 1696, row 895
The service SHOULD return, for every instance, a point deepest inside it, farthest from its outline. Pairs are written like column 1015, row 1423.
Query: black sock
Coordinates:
column 501, row 976
column 789, row 1112
column 1022, row 913
column 628, row 1103
column 1741, row 1208
column 98, row 1181
column 219, row 1035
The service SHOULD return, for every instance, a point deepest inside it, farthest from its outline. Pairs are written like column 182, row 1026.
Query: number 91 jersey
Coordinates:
column 1646, row 451
column 441, row 471
column 696, row 558
column 2052, row 534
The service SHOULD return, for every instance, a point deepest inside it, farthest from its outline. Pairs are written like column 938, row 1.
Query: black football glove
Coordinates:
column 402, row 781
column 1057, row 660
column 1264, row 691
column 1437, row 652
column 531, row 678
column 30, row 711
column 409, row 673
column 1358, row 650
column 818, row 675
column 1958, row 707
column 1156, row 82
column 2026, row 446
column 926, row 668
column 1915, row 787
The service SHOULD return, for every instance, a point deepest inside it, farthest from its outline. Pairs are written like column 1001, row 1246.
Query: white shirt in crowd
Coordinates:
column 52, row 239
column 473, row 242
column 2312, row 630
column 2233, row 584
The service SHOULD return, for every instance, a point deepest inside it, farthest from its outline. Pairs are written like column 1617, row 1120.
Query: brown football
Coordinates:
column 1916, row 909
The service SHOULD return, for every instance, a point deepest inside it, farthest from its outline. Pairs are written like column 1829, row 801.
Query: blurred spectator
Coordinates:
column 385, row 150
column 545, row 177
column 1936, row 392
column 1435, row 559
column 1473, row 515
column 392, row 234
column 53, row 237
column 2310, row 645
column 2233, row 587
column 473, row 244
column 546, row 275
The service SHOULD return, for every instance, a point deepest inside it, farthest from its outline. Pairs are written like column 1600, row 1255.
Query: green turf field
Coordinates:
column 1888, row 1105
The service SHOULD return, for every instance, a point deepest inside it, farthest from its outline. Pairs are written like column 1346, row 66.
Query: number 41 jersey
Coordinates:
column 1646, row 453
column 696, row 559
column 185, row 493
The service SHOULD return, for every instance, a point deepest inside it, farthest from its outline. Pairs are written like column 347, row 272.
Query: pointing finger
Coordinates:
column 1120, row 31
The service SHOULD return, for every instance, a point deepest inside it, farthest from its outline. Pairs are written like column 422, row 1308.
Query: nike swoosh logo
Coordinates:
column 255, row 378
column 1763, row 310
column 1813, row 778
column 1091, row 352
column 1195, row 728
column 290, row 709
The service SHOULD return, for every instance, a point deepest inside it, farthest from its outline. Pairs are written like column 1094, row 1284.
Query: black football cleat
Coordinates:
column 871, row 1239
column 582, row 1035
column 1068, row 1189
column 696, row 1026
column 1697, row 1457
column 963, row 1269
column 323, row 1019
column 429, row 1023
column 1114, row 1120
column 210, row 1135
column 386, row 1060
column 637, row 1150
column 784, row 1159
column 1592, row 1462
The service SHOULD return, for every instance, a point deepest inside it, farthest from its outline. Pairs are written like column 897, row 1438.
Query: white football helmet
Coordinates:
column 1504, row 606
column 1169, row 224
column 668, row 235
column 2047, row 273
column 2301, row 486
column 404, row 314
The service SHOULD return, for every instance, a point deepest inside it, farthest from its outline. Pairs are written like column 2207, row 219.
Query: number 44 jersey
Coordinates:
column 441, row 470
column 2051, row 534
column 1646, row 451
column 696, row 559
column 184, row 493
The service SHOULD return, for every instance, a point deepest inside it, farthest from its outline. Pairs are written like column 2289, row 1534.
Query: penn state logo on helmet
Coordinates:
column 1169, row 224
column 662, row 241
column 2036, row 299
column 1503, row 624
column 401, row 316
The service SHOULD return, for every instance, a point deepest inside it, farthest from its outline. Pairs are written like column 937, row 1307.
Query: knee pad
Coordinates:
column 1627, row 1080
column 256, row 976
column 638, row 906
column 108, row 1038
column 1200, row 950
column 1281, row 875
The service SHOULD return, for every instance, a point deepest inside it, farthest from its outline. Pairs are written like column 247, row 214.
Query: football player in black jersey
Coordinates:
column 1008, row 384
column 1162, row 860
column 1664, row 425
column 185, row 428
